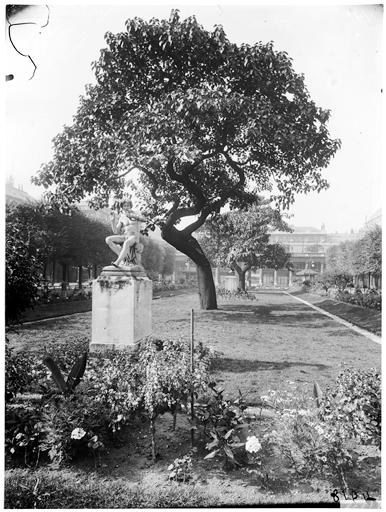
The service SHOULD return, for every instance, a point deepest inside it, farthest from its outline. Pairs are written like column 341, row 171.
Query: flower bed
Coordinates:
column 330, row 436
column 94, row 403
column 368, row 298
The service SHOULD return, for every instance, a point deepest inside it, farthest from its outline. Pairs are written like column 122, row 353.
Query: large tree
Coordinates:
column 240, row 238
column 207, row 122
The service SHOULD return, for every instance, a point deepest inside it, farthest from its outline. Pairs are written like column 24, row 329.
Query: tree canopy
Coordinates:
column 357, row 257
column 207, row 122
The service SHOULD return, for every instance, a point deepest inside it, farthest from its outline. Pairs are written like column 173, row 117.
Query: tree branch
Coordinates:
column 205, row 157
column 127, row 172
column 236, row 168
column 153, row 189
column 183, row 179
column 182, row 212
column 198, row 223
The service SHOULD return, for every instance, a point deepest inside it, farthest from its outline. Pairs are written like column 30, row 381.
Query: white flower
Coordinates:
column 252, row 445
column 78, row 433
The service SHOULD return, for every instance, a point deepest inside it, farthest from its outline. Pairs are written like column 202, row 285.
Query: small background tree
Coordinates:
column 356, row 261
column 240, row 239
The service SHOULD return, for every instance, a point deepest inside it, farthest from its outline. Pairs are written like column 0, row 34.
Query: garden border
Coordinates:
column 363, row 332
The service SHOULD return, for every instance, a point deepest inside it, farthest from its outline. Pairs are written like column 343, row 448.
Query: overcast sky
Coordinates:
column 338, row 48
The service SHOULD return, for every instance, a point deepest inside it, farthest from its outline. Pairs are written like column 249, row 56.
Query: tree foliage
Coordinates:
column 157, row 257
column 240, row 235
column 357, row 257
column 239, row 239
column 24, row 255
column 274, row 256
column 207, row 122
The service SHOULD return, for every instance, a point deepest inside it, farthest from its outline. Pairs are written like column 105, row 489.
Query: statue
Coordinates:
column 125, row 241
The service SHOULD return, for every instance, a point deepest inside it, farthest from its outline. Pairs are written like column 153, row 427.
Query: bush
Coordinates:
column 115, row 386
column 24, row 265
column 18, row 372
column 370, row 299
column 234, row 294
column 355, row 402
column 328, row 441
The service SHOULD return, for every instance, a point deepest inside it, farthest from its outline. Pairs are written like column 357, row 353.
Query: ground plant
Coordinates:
column 226, row 294
column 327, row 435
column 366, row 298
column 88, row 410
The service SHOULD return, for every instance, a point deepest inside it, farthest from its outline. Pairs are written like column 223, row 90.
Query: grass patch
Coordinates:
column 66, row 489
column 46, row 489
column 53, row 309
column 262, row 344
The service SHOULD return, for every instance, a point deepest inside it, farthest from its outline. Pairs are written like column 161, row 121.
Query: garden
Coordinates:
column 259, row 401
column 266, row 427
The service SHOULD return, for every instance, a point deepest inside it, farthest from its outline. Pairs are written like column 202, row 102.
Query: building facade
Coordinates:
column 306, row 245
column 16, row 195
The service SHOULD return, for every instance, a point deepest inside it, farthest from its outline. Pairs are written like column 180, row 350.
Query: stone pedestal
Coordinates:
column 121, row 308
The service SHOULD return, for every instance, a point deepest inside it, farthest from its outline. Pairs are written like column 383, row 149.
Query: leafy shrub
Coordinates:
column 370, row 299
column 72, row 426
column 167, row 380
column 115, row 386
column 181, row 469
column 18, row 372
column 233, row 294
column 22, row 432
column 355, row 402
column 24, row 265
column 328, row 441
column 222, row 421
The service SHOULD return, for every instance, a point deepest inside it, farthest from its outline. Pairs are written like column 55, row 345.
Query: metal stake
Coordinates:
column 192, row 370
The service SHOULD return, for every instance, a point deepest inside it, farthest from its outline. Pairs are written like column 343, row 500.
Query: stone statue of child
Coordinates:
column 125, row 241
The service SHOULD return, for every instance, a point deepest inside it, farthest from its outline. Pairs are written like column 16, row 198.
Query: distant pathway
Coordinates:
column 363, row 332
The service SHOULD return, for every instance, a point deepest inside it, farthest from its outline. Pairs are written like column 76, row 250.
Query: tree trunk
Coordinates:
column 64, row 279
column 95, row 271
column 188, row 245
column 53, row 272
column 80, row 269
column 241, row 272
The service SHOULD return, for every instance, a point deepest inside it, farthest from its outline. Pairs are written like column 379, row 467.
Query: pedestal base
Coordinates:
column 121, row 308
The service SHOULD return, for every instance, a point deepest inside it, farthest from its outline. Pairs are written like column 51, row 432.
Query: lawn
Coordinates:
column 262, row 344
column 270, row 343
